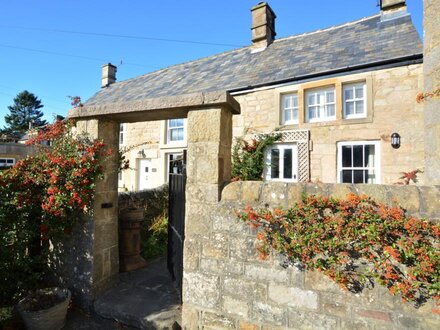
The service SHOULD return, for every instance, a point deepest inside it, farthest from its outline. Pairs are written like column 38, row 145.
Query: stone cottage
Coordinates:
column 337, row 95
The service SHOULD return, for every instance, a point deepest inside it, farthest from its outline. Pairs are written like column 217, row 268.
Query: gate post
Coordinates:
column 209, row 153
column 92, row 262
column 208, row 168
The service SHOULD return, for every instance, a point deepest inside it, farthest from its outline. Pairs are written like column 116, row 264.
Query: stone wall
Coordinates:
column 91, row 262
column 226, row 285
column 431, row 71
column 153, row 201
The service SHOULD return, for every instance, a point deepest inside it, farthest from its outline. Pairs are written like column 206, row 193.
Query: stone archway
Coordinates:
column 208, row 168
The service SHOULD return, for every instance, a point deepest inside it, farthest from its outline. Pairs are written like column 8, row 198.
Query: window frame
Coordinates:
column 268, row 162
column 121, row 134
column 7, row 164
column 354, row 100
column 169, row 129
column 377, row 159
column 322, row 107
column 168, row 162
column 292, row 109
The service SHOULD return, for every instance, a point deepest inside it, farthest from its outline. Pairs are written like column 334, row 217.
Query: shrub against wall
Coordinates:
column 40, row 199
column 356, row 242
column 248, row 158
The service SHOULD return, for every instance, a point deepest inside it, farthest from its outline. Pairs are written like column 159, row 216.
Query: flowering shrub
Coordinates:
column 355, row 242
column 248, row 158
column 66, row 171
column 42, row 196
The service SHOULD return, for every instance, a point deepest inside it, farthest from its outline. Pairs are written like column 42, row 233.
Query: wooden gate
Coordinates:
column 176, row 226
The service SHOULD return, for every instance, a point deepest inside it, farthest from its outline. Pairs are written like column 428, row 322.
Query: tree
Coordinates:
column 25, row 110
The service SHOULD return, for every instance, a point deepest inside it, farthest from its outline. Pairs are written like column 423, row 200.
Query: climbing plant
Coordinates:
column 356, row 242
column 248, row 158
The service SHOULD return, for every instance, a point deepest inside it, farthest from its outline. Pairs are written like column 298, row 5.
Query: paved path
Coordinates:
column 79, row 320
column 145, row 299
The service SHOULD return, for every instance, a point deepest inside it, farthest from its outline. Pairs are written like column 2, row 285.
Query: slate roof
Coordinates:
column 361, row 42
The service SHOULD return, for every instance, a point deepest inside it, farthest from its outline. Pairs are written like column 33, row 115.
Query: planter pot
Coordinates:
column 130, row 222
column 45, row 309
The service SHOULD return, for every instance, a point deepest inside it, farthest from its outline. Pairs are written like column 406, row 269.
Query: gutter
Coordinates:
column 385, row 64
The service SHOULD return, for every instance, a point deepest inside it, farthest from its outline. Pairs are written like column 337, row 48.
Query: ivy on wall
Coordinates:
column 356, row 242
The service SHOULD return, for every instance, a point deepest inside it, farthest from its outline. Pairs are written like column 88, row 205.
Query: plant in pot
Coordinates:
column 42, row 196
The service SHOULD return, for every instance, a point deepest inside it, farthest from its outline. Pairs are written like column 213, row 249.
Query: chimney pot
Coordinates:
column 263, row 26
column 108, row 75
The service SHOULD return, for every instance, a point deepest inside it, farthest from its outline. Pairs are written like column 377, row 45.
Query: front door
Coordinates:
column 144, row 174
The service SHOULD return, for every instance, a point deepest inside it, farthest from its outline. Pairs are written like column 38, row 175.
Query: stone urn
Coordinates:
column 45, row 309
column 130, row 222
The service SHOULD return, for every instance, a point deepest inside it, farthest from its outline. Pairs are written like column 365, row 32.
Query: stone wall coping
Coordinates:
column 167, row 107
column 420, row 201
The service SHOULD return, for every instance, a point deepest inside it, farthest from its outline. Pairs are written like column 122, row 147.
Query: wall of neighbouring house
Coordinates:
column 431, row 70
column 15, row 150
column 391, row 105
column 226, row 285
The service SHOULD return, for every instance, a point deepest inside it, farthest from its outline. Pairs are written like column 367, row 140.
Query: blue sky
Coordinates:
column 40, row 53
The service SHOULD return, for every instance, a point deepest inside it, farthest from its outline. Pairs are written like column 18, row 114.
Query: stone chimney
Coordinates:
column 108, row 75
column 392, row 9
column 263, row 26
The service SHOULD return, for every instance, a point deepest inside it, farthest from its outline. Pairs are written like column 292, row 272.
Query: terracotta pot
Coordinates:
column 130, row 222
column 50, row 318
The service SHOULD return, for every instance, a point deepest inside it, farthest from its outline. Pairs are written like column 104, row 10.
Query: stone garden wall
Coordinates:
column 153, row 201
column 226, row 285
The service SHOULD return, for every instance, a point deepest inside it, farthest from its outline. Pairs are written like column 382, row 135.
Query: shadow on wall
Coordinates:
column 74, row 264
column 75, row 267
